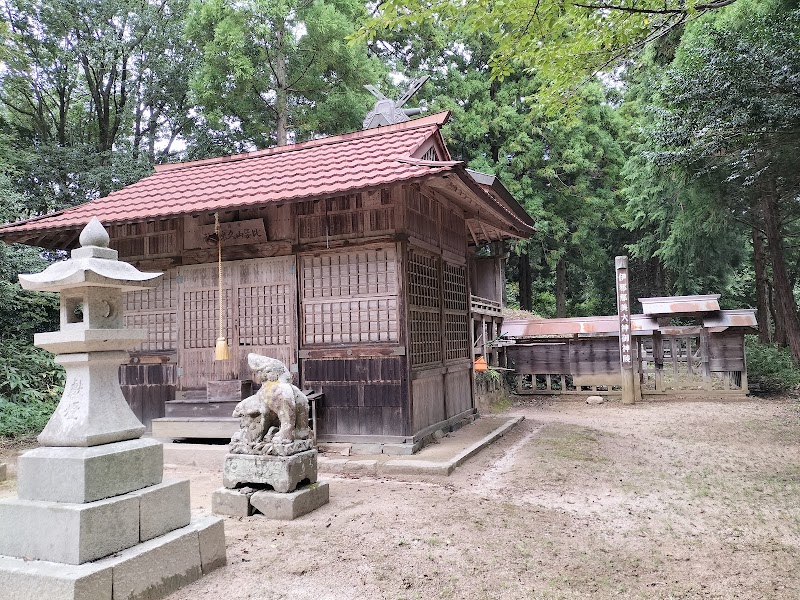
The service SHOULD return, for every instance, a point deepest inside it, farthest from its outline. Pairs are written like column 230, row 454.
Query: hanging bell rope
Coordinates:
column 221, row 352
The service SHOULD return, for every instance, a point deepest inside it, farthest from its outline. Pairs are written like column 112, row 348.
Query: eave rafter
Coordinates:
column 481, row 219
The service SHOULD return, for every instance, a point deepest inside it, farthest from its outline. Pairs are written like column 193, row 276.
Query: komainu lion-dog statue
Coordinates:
column 274, row 420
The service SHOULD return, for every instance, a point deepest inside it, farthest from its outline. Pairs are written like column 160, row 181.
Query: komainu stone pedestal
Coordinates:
column 248, row 478
column 282, row 473
column 286, row 507
column 244, row 502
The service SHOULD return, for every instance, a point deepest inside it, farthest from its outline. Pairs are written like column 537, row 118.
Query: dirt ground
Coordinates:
column 669, row 499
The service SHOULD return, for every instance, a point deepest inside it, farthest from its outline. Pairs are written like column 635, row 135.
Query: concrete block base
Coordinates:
column 77, row 533
column 68, row 533
column 287, row 507
column 87, row 474
column 282, row 473
column 232, row 503
column 149, row 571
column 163, row 507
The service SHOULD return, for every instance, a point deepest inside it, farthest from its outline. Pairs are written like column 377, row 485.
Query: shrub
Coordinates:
column 31, row 384
column 771, row 367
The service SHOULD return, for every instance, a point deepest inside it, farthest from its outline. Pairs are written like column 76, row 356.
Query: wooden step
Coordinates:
column 199, row 408
column 187, row 427
column 199, row 395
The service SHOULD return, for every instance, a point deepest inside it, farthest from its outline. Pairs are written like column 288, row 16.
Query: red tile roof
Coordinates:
column 327, row 166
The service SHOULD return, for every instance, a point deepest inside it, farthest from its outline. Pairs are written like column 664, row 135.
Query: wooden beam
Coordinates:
column 483, row 230
column 472, row 233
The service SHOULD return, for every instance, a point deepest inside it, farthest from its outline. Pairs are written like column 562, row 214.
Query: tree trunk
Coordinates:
column 784, row 297
column 762, row 287
column 779, row 336
column 525, row 283
column 281, row 87
column 561, row 288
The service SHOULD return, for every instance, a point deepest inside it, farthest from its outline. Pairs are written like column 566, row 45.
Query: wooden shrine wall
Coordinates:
column 364, row 396
column 367, row 294
column 260, row 300
column 565, row 365
column 350, row 303
column 349, row 217
column 439, row 348
column 350, row 297
column 182, row 319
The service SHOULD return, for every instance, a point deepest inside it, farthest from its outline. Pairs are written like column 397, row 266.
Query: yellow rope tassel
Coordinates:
column 221, row 352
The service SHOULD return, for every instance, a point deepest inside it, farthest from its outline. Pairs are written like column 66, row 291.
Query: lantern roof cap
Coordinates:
column 94, row 264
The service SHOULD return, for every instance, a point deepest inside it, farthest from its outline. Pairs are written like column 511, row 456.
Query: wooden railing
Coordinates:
column 485, row 306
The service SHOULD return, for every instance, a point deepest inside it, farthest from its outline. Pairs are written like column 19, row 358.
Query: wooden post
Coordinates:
column 658, row 360
column 625, row 337
column 705, row 365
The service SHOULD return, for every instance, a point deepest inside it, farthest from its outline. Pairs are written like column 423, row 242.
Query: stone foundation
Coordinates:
column 99, row 523
column 282, row 473
column 271, row 504
column 149, row 571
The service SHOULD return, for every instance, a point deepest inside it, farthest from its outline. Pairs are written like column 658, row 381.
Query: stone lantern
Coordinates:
column 94, row 519
column 91, row 343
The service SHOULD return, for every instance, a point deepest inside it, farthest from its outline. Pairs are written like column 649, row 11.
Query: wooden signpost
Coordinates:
column 626, row 344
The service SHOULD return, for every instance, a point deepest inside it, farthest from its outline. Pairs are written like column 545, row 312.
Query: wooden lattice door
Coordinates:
column 260, row 306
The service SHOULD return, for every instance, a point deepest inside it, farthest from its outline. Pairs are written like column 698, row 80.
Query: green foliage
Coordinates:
column 771, row 367
column 730, row 95
column 564, row 42
column 269, row 68
column 563, row 169
column 716, row 123
column 30, row 387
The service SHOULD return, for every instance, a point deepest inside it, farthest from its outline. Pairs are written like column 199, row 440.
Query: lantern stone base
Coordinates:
column 282, row 473
column 81, row 475
column 100, row 523
column 148, row 571
column 92, row 410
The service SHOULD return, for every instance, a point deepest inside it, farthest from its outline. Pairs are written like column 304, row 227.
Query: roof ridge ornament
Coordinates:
column 389, row 112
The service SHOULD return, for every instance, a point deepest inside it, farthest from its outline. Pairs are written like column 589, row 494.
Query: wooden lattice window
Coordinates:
column 426, row 337
column 155, row 310
column 423, row 216
column 162, row 329
column 154, row 238
column 423, row 280
column 350, row 297
column 454, row 230
column 350, row 274
column 456, row 332
column 456, row 322
column 334, row 322
column 425, row 308
column 455, row 287
column 201, row 318
column 264, row 315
